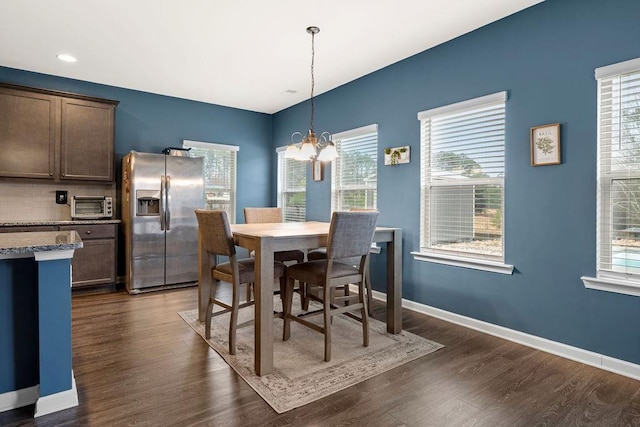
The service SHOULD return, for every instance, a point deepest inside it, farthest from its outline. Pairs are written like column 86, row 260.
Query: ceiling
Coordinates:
column 248, row 54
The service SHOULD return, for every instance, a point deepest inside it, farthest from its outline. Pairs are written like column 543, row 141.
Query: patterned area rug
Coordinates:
column 300, row 373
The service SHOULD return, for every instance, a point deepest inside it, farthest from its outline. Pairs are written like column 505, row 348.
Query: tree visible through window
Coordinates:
column 462, row 177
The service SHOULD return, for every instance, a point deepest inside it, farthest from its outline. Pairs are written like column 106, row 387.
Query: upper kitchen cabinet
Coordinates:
column 86, row 143
column 57, row 136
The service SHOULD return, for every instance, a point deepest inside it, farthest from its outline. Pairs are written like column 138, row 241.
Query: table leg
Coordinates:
column 394, row 283
column 264, row 307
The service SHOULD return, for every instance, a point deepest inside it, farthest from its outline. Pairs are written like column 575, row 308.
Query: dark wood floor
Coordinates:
column 137, row 363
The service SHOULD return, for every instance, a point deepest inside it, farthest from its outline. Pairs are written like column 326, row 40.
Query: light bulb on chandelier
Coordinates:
column 311, row 147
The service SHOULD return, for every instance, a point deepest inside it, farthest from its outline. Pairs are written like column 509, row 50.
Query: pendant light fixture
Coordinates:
column 311, row 147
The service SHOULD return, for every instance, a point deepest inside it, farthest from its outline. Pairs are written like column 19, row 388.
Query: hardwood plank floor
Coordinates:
column 137, row 363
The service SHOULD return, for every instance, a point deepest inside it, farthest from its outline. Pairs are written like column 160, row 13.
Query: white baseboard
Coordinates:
column 45, row 404
column 587, row 357
column 57, row 401
column 19, row 398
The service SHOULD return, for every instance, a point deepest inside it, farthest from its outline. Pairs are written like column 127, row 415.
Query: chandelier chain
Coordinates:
column 313, row 82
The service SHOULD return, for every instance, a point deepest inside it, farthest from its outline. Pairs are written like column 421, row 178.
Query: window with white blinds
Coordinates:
column 462, row 178
column 220, row 165
column 619, row 170
column 292, row 188
column 354, row 174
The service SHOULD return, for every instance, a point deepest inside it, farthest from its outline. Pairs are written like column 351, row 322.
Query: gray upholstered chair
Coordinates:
column 350, row 235
column 267, row 215
column 218, row 240
column 321, row 253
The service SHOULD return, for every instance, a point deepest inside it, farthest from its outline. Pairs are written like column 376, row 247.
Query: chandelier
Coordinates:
column 311, row 147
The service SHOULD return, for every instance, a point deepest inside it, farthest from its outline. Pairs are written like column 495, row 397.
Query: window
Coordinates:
column 462, row 183
column 618, row 215
column 292, row 188
column 219, row 175
column 354, row 173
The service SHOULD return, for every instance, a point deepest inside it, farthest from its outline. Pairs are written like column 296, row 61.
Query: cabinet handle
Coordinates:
column 88, row 231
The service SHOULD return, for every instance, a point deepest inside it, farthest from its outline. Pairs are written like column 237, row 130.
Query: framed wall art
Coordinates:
column 545, row 145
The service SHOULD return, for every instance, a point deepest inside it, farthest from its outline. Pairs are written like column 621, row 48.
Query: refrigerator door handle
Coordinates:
column 168, row 201
column 163, row 202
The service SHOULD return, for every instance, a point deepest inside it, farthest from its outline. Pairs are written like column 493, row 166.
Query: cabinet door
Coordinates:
column 27, row 134
column 94, row 263
column 86, row 144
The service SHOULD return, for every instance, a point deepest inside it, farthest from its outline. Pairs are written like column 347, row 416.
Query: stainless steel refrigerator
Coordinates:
column 159, row 196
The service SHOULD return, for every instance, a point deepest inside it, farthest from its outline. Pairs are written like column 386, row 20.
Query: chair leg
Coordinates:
column 326, row 310
column 207, row 324
column 249, row 289
column 363, row 313
column 305, row 300
column 233, row 323
column 302, row 288
column 369, row 295
column 288, row 301
column 212, row 297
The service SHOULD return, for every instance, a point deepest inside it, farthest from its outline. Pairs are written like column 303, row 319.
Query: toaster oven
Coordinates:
column 91, row 207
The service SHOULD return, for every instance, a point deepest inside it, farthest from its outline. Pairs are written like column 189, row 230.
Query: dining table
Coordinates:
column 265, row 239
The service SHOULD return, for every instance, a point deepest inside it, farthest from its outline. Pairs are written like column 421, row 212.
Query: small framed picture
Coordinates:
column 316, row 170
column 545, row 145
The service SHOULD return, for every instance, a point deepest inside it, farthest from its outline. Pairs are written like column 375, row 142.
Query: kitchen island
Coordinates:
column 35, row 320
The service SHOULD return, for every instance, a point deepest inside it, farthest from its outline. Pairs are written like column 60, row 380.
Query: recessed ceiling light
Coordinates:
column 67, row 58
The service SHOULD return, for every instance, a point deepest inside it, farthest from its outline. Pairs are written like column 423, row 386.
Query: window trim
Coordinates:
column 478, row 263
column 606, row 280
column 470, row 260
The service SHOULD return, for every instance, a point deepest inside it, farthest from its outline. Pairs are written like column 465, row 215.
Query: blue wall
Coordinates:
column 545, row 58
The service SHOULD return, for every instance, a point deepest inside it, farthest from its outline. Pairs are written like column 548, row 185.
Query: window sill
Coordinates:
column 608, row 284
column 466, row 262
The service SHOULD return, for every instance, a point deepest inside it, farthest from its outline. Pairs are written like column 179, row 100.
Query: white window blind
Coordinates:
column 292, row 188
column 619, row 170
column 220, row 165
column 354, row 174
column 462, row 177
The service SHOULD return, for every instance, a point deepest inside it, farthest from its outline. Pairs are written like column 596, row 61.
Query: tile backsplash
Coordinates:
column 37, row 201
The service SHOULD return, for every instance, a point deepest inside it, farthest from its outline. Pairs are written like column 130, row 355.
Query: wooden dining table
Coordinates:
column 265, row 239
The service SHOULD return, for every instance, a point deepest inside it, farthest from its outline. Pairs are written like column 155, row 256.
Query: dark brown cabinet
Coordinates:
column 95, row 262
column 28, row 134
column 56, row 136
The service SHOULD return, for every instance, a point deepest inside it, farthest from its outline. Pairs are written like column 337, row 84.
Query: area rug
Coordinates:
column 300, row 373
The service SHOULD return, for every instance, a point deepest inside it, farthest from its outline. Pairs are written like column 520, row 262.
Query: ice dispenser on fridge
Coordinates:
column 148, row 203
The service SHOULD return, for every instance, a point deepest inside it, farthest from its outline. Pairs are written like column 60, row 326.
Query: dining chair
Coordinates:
column 321, row 253
column 217, row 238
column 350, row 235
column 267, row 215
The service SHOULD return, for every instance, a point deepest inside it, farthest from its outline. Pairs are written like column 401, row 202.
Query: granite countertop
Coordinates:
column 38, row 241
column 7, row 223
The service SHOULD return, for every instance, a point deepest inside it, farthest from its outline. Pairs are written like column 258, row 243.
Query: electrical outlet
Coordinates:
column 61, row 197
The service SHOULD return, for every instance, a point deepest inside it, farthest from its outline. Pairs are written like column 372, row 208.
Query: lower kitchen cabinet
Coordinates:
column 95, row 263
